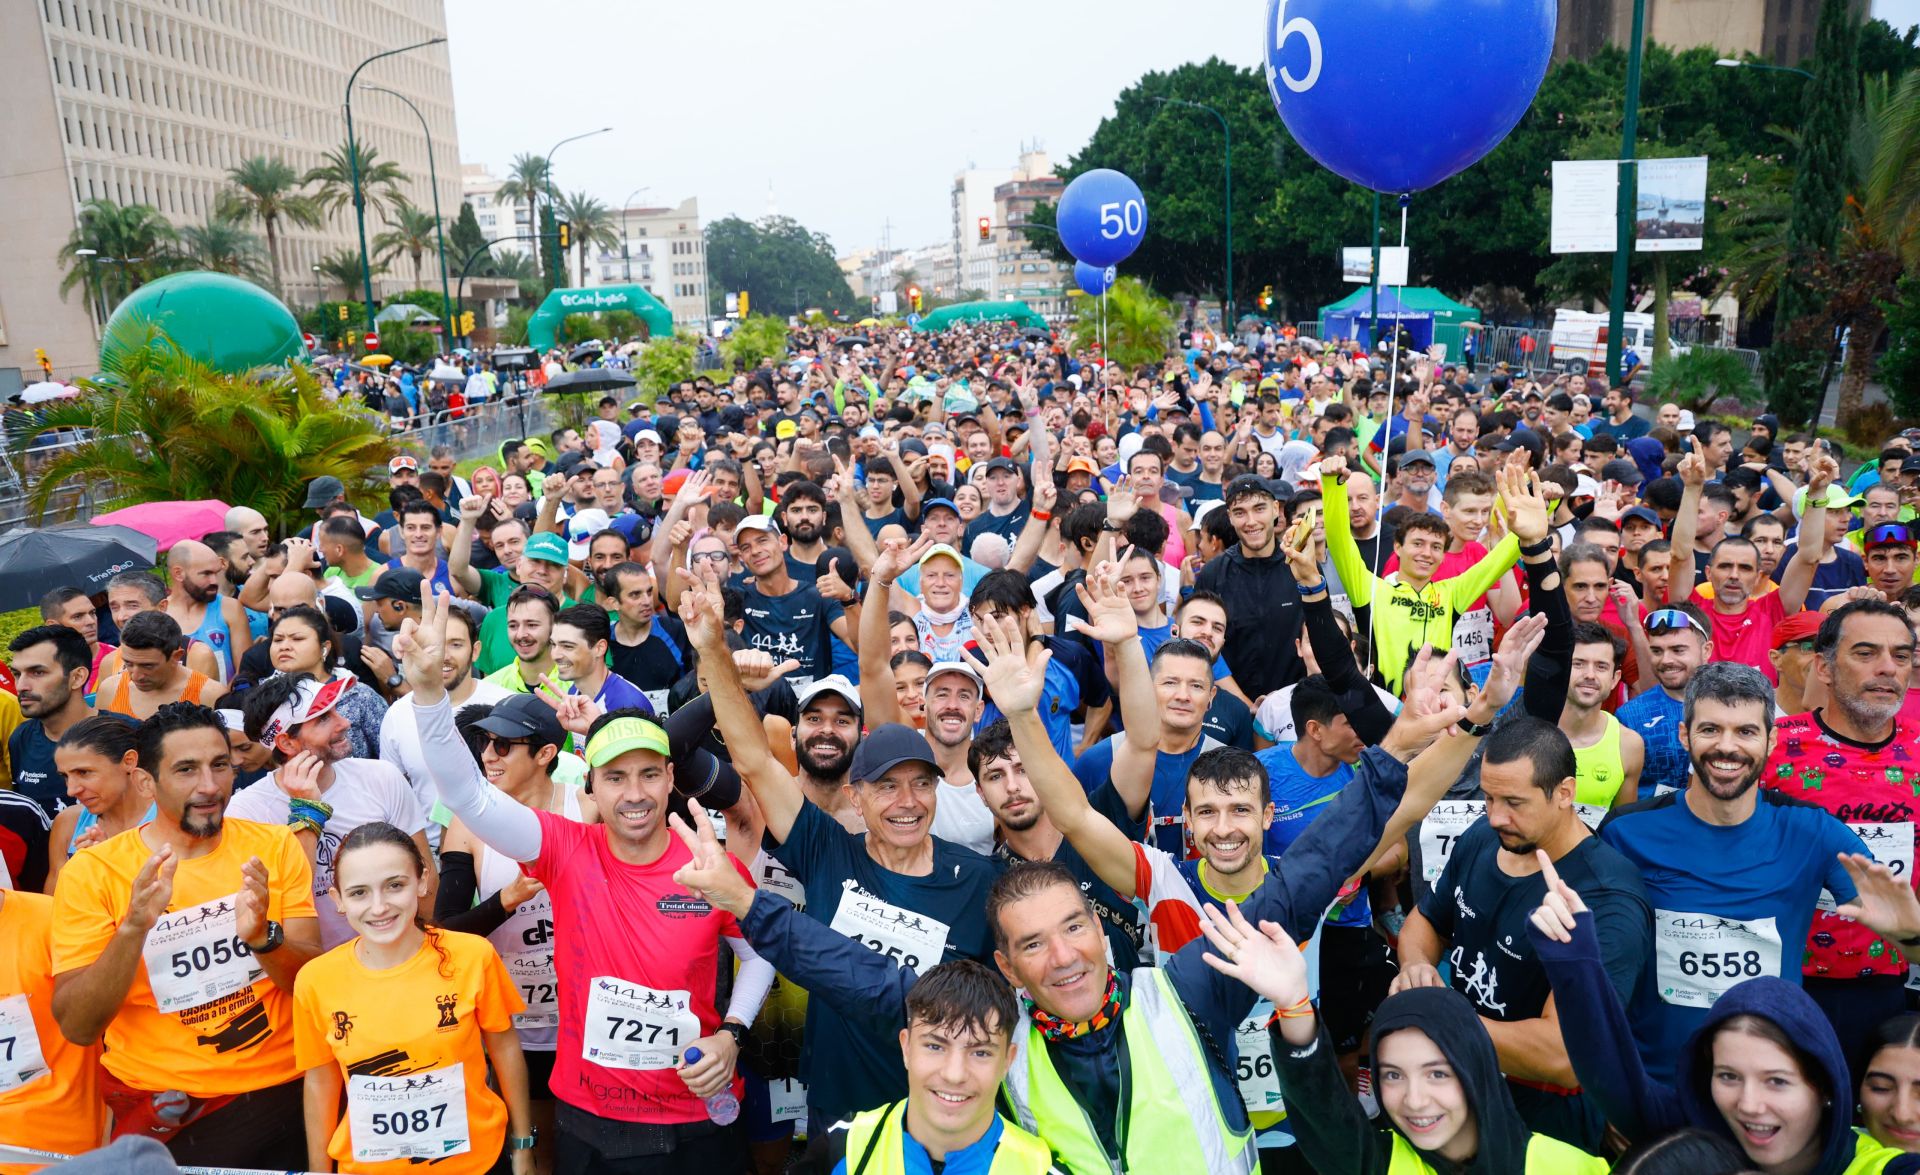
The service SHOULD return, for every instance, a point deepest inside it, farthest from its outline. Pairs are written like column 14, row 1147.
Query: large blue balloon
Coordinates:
column 1397, row 95
column 1102, row 217
column 1092, row 278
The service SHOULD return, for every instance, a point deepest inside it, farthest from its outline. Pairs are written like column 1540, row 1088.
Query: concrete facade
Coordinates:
column 152, row 101
column 1779, row 31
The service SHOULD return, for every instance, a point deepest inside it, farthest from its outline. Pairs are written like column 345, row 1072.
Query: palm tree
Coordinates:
column 268, row 190
column 115, row 250
column 412, row 232
column 1138, row 323
column 343, row 267
column 513, row 265
column 593, row 223
column 526, row 183
column 380, row 179
column 1880, row 227
column 224, row 245
column 162, row 426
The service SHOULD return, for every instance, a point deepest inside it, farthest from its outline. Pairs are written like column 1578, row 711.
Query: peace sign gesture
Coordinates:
column 1554, row 917
column 421, row 646
column 712, row 872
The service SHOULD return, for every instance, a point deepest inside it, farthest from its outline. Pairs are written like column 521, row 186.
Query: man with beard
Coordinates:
column 955, row 699
column 803, row 515
column 204, row 1060
column 73, row 608
column 786, row 616
column 529, row 631
column 1475, row 917
column 400, row 732
column 50, row 676
column 1679, row 642
column 1842, row 756
column 1608, row 756
column 317, row 787
column 1732, row 870
column 194, row 573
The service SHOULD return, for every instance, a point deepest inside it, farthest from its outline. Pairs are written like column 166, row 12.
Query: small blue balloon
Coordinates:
column 1102, row 217
column 1397, row 95
column 1093, row 279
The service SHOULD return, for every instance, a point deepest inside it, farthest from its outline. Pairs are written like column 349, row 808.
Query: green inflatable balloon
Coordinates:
column 226, row 322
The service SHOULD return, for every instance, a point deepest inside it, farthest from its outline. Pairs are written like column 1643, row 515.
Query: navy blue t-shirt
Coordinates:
column 30, row 752
column 1007, row 526
column 1847, row 570
column 794, row 625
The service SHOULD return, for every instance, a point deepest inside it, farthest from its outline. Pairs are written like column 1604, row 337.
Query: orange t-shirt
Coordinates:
column 407, row 1039
column 201, row 1015
column 49, row 1087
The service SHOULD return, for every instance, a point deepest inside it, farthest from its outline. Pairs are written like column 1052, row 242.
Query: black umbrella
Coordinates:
column 1038, row 332
column 34, row 561
column 592, row 379
column 586, row 351
column 850, row 340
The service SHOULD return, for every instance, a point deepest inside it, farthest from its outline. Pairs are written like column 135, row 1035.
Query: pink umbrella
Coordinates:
column 169, row 522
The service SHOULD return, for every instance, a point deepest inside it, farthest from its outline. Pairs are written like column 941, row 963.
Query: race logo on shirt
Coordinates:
column 447, row 1004
column 681, row 905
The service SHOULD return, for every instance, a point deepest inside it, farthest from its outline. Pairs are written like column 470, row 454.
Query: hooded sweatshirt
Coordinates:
column 1334, row 1132
column 1600, row 1044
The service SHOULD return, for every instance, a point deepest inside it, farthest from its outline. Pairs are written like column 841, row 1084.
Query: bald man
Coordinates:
column 194, row 601
column 250, row 525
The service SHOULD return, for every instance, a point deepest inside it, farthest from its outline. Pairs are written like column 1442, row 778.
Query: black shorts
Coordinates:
column 539, row 1073
column 1356, row 968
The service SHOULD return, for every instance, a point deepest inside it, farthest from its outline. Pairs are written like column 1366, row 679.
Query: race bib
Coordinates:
column 20, row 1057
column 657, row 698
column 774, row 878
column 908, row 938
column 1890, row 844
column 1590, row 815
column 6, row 874
column 632, row 1026
column 1258, row 1081
column 789, row 1100
column 1697, row 957
column 1473, row 636
column 532, row 973
column 1441, row 831
column 418, row 1117
column 194, row 956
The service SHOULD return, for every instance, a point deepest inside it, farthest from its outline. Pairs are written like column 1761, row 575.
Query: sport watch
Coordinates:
column 276, row 937
column 524, row 1144
column 737, row 1031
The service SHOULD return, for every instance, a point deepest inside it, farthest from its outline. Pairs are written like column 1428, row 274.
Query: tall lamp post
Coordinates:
column 1228, row 132
column 439, row 222
column 353, row 164
column 626, row 253
column 1627, row 185
column 553, row 208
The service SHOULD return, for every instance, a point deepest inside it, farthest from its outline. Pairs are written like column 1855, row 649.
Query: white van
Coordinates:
column 1581, row 337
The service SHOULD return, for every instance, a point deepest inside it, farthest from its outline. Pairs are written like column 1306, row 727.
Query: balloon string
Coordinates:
column 1386, row 444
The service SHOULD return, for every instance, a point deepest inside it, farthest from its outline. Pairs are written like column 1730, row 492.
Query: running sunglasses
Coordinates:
column 500, row 746
column 1672, row 620
column 1889, row 532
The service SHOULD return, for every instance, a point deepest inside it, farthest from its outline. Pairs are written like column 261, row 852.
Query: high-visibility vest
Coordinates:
column 876, row 1145
column 1545, row 1156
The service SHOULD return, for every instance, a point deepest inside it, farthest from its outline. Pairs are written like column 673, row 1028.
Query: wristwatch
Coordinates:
column 737, row 1031
column 276, row 936
column 1475, row 729
column 524, row 1144
column 1112, row 527
column 395, row 681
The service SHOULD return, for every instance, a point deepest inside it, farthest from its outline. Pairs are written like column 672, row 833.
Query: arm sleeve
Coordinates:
column 1551, row 665
column 697, row 772
column 495, row 817
column 855, row 982
column 453, row 904
column 750, row 984
column 1341, row 548
column 1370, row 718
column 1334, row 1133
column 1332, row 849
column 1600, row 1042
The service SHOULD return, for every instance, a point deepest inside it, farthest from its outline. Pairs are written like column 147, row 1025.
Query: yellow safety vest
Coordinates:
column 1870, row 1155
column 876, row 1146
column 1545, row 1156
column 1170, row 1119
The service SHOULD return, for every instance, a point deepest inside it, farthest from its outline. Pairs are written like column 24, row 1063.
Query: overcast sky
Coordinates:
column 850, row 114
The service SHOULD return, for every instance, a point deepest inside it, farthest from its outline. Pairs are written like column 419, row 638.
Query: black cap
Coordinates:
column 1623, row 471
column 399, row 583
column 1910, row 465
column 1005, row 463
column 1521, row 438
column 524, row 716
column 886, row 747
column 1248, row 484
column 570, row 461
column 322, row 490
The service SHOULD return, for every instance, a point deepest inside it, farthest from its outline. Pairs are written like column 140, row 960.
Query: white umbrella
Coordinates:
column 446, row 372
column 40, row 393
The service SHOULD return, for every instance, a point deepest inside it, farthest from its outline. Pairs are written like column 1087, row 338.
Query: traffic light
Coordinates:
column 1265, row 300
column 46, row 364
column 986, row 229
column 743, row 303
column 343, row 312
column 566, row 234
column 466, row 323
column 913, row 298
column 353, row 338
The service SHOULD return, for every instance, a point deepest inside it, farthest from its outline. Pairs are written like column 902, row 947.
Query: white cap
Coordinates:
column 1686, row 420
column 582, row 527
column 1202, row 509
column 647, row 434
column 1585, row 487
column 758, row 522
column 961, row 667
column 833, row 683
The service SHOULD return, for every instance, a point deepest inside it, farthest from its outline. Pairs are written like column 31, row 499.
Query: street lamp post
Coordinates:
column 1228, row 132
column 553, row 208
column 1623, row 208
column 100, row 294
column 439, row 222
column 626, row 252
column 353, row 164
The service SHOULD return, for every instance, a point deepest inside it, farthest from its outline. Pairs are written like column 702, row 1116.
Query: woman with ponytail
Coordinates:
column 404, row 1021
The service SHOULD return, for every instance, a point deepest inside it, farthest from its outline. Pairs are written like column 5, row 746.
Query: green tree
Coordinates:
column 756, row 339
column 1699, row 377
column 464, row 237
column 776, row 260
column 1900, row 366
column 592, row 223
column 513, row 265
column 380, row 179
column 115, row 250
column 270, row 190
column 162, row 426
column 665, row 362
column 342, row 268
column 526, row 183
column 1821, row 181
column 1139, row 324
column 223, row 244
column 412, row 231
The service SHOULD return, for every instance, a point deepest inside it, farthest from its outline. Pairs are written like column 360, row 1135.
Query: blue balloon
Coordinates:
column 1093, row 279
column 1102, row 217
column 1397, row 95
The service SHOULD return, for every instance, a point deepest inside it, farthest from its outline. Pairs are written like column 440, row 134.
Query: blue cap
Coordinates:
column 886, row 747
column 1643, row 513
column 930, row 503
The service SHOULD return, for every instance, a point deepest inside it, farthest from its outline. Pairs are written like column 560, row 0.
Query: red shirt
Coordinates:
column 1872, row 789
column 1748, row 637
column 630, row 946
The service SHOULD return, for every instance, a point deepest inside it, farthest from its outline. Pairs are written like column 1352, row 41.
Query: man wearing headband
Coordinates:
column 636, row 985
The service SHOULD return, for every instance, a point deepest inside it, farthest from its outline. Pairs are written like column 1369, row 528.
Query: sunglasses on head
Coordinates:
column 1672, row 620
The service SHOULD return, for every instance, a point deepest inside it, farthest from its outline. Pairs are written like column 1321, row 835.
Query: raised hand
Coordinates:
column 1428, row 709
column 894, row 561
column 833, row 587
column 1121, row 502
column 1297, row 544
column 577, row 712
column 1334, row 467
column 1509, row 665
column 1693, row 466
column 300, row 555
column 1820, row 474
column 712, row 871
column 250, row 912
column 1110, row 619
column 1883, row 901
column 1267, row 960
column 1527, row 511
column 758, row 669
column 152, row 891
column 1015, row 671
column 421, row 646
column 472, row 507
column 1045, row 495
column 1554, row 916
column 702, row 611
